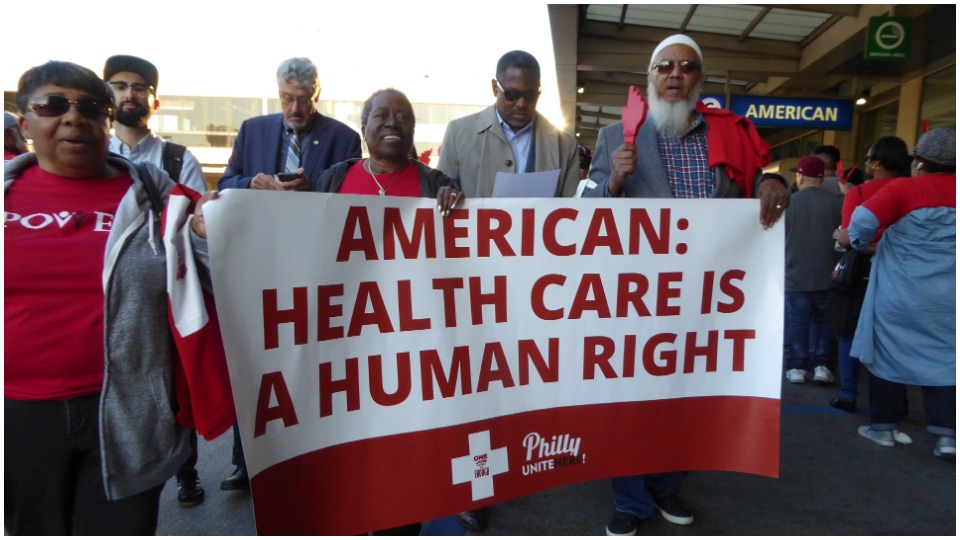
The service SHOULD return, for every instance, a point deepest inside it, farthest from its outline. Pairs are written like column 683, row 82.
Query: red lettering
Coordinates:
column 350, row 385
column 273, row 384
column 377, row 392
column 602, row 222
column 597, row 352
column 665, row 293
column 448, row 286
column 423, row 233
column 357, row 218
column 493, row 354
column 550, row 232
column 498, row 299
column 528, row 227
column 706, row 298
column 630, row 291
column 739, row 338
column 536, row 297
column 273, row 317
column 659, row 242
column 431, row 370
column 692, row 350
column 488, row 234
column 590, row 297
column 369, row 293
column 548, row 369
column 327, row 311
column 668, row 357
column 453, row 228
column 405, row 302
column 727, row 287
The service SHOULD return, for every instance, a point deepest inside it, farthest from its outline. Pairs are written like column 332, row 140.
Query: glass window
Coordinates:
column 938, row 106
column 880, row 122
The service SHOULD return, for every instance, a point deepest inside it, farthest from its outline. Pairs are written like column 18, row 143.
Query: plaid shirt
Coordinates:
column 685, row 161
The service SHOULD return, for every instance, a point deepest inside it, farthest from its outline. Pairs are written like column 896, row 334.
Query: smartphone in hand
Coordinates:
column 287, row 176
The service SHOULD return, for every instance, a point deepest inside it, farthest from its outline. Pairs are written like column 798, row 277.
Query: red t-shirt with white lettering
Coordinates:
column 55, row 233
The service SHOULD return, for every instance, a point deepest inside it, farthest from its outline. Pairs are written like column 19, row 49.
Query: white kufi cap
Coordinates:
column 675, row 39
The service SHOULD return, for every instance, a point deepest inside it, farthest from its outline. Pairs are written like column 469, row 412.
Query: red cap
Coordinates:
column 810, row 166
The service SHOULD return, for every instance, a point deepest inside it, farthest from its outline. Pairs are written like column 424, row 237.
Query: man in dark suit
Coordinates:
column 300, row 141
column 283, row 152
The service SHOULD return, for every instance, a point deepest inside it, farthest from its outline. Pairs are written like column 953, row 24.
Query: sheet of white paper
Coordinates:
column 537, row 184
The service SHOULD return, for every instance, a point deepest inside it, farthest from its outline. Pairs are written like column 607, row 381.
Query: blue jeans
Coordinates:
column 635, row 494
column 849, row 369
column 804, row 309
column 939, row 406
column 52, row 479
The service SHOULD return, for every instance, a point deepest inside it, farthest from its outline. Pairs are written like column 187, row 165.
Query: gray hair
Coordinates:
column 301, row 72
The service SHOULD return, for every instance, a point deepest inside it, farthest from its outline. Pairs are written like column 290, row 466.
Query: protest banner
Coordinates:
column 384, row 357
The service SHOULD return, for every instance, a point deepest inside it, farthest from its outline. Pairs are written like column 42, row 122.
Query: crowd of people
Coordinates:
column 90, row 434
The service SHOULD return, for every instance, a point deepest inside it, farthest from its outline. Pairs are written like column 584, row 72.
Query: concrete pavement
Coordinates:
column 832, row 482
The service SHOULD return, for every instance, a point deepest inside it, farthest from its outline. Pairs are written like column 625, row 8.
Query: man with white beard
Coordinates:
column 683, row 150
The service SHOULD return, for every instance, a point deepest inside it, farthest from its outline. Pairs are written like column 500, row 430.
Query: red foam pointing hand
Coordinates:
column 633, row 115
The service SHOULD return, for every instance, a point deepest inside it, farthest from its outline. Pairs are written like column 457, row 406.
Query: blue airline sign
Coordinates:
column 834, row 114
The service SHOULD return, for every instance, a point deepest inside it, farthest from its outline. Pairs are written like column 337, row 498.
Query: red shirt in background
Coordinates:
column 55, row 233
column 855, row 197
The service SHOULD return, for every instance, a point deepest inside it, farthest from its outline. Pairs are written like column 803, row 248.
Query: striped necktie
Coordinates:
column 293, row 153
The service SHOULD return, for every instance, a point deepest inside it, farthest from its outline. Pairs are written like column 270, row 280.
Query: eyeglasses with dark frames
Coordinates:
column 138, row 89
column 513, row 95
column 665, row 67
column 53, row 106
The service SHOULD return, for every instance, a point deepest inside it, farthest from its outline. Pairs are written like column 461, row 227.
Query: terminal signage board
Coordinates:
column 832, row 114
column 888, row 38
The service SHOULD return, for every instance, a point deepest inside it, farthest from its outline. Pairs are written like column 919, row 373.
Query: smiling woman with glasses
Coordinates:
column 89, row 431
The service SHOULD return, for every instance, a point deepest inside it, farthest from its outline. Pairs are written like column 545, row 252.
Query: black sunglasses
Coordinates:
column 513, row 95
column 666, row 67
column 59, row 105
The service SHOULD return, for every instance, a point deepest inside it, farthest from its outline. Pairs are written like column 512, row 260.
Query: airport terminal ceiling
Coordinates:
column 787, row 50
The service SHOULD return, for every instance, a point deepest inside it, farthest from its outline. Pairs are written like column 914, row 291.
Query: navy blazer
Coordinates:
column 257, row 148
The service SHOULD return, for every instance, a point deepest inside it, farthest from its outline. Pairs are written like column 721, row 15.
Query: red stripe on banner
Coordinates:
column 390, row 481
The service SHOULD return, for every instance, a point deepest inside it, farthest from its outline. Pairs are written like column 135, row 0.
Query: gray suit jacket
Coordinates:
column 474, row 149
column 650, row 178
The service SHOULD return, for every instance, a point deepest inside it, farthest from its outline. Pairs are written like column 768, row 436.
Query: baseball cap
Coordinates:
column 122, row 62
column 810, row 166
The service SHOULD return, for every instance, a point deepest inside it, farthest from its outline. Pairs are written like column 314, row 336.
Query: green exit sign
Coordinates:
column 888, row 38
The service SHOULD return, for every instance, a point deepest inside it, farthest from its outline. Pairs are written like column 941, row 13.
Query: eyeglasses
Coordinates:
column 287, row 99
column 138, row 89
column 58, row 106
column 513, row 95
column 666, row 67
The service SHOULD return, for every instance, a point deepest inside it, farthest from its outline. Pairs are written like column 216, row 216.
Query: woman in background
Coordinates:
column 887, row 159
column 907, row 328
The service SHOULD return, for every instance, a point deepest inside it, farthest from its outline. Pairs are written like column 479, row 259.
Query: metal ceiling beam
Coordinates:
column 848, row 10
column 686, row 20
column 604, row 34
column 754, row 23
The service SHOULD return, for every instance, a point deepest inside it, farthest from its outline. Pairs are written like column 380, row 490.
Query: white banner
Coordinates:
column 351, row 319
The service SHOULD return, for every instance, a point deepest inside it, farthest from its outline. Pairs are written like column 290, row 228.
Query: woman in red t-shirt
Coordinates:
column 89, row 431
column 387, row 123
column 887, row 159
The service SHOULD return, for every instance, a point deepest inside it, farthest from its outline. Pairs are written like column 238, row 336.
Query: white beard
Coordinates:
column 671, row 119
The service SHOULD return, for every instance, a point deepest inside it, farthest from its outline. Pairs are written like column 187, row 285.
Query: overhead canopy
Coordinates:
column 789, row 50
